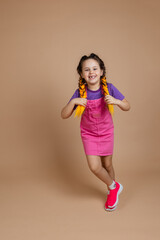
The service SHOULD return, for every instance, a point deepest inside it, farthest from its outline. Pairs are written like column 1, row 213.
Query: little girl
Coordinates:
column 93, row 101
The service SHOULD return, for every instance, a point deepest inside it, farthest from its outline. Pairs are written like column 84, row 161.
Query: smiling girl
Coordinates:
column 94, row 101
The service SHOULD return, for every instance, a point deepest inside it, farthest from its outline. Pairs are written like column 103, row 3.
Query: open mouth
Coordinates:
column 92, row 77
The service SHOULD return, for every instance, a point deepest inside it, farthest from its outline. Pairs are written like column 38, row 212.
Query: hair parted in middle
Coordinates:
column 82, row 83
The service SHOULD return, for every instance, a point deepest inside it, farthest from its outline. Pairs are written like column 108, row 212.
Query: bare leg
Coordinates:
column 107, row 164
column 95, row 165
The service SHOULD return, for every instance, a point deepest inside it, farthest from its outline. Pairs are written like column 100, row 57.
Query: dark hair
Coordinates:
column 91, row 56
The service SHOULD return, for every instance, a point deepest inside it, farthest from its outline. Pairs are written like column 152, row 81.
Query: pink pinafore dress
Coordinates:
column 97, row 128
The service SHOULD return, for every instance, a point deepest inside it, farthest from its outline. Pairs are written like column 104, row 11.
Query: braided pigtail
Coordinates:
column 83, row 94
column 106, row 92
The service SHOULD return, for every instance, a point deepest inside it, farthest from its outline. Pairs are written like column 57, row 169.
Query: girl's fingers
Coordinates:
column 84, row 104
column 108, row 102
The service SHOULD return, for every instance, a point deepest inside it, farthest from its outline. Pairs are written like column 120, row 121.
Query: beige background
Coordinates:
column 46, row 188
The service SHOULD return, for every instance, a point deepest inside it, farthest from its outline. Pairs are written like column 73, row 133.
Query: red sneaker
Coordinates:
column 112, row 199
column 106, row 204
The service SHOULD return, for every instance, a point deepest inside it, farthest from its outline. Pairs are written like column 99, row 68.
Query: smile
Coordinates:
column 92, row 77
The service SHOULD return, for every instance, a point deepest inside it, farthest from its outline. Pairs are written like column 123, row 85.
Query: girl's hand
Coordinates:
column 111, row 100
column 80, row 101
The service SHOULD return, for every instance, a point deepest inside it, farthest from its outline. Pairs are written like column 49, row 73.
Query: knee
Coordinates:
column 109, row 166
column 95, row 168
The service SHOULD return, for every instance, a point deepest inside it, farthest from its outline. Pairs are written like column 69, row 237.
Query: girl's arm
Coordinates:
column 124, row 104
column 68, row 109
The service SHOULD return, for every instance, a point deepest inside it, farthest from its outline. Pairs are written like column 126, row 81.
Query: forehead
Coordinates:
column 90, row 63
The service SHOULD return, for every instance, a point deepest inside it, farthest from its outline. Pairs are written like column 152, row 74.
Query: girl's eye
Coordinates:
column 88, row 69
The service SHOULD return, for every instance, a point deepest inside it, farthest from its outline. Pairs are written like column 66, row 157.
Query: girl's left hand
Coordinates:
column 110, row 100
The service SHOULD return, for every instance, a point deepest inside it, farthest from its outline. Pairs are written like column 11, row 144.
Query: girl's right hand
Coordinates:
column 80, row 101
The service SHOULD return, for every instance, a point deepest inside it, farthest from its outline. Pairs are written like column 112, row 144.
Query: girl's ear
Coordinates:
column 81, row 75
column 101, row 73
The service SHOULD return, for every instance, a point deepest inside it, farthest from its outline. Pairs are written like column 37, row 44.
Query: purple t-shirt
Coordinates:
column 92, row 95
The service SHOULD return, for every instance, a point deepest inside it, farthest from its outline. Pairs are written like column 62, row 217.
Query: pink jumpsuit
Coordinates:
column 97, row 129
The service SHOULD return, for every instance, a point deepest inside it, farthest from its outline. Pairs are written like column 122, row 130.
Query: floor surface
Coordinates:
column 44, row 207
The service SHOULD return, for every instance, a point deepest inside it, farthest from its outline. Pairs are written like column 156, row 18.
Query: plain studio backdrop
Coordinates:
column 46, row 188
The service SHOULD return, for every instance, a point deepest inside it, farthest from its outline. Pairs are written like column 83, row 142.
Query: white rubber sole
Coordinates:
column 110, row 209
column 119, row 191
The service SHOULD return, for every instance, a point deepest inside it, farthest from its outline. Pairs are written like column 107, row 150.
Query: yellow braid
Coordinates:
column 83, row 94
column 106, row 92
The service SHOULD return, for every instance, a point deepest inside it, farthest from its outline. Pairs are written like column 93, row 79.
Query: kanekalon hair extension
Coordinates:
column 106, row 92
column 83, row 94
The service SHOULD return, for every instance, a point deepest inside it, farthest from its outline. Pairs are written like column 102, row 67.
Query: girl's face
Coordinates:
column 91, row 72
